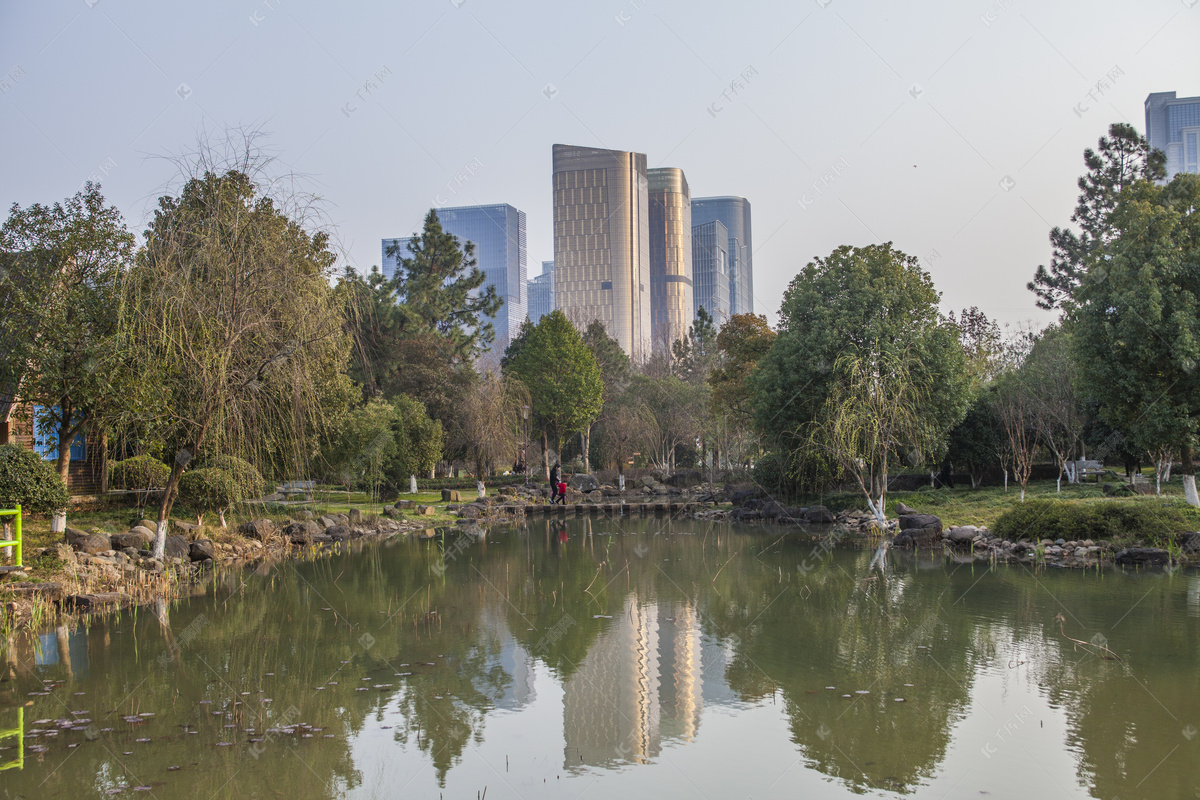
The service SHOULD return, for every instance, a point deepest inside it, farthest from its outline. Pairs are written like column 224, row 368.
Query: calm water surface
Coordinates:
column 647, row 660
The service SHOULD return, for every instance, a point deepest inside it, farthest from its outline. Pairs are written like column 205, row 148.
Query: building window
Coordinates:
column 46, row 444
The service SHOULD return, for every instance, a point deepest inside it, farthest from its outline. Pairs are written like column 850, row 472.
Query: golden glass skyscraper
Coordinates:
column 601, row 243
column 671, row 308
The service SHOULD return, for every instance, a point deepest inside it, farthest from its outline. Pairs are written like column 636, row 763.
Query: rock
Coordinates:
column 739, row 497
column 818, row 515
column 177, row 546
column 392, row 512
column 338, row 533
column 919, row 537
column 184, row 528
column 305, row 532
column 405, row 504
column 1188, row 542
column 92, row 543
column 473, row 511
column 1143, row 557
column 73, row 535
column 584, row 482
column 426, row 511
column 137, row 538
column 451, row 496
column 914, row 521
column 149, row 524
column 685, row 480
column 962, row 534
column 202, row 549
column 744, row 514
column 355, row 517
column 327, row 522
column 260, row 529
column 902, row 510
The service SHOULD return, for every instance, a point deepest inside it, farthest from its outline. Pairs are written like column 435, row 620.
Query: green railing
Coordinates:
column 16, row 540
column 17, row 733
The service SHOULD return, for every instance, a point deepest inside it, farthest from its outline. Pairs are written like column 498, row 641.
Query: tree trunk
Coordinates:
column 103, row 462
column 168, row 500
column 1188, row 470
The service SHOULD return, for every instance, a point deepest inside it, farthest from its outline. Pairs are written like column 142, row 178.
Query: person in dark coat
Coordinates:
column 554, row 472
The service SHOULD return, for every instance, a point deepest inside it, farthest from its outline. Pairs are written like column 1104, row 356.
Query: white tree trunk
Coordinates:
column 1006, row 481
column 1022, row 494
column 412, row 484
column 58, row 523
column 1189, row 490
column 160, row 540
column 1058, row 483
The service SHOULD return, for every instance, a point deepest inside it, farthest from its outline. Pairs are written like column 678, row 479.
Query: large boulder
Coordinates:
column 962, row 534
column 137, row 538
column 305, row 532
column 355, row 517
column 260, row 529
column 451, row 496
column 338, row 533
column 1143, row 557
column 473, row 511
column 391, row 512
column 818, row 515
column 92, row 543
column 919, row 537
column 738, row 497
column 902, row 509
column 202, row 549
column 177, row 546
column 915, row 521
column 686, row 480
column 184, row 528
column 426, row 511
column 773, row 509
column 73, row 535
column 327, row 522
column 584, row 482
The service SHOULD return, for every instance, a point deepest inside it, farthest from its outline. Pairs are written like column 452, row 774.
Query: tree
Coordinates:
column 1058, row 410
column 419, row 440
column 1015, row 409
column 1135, row 324
column 489, row 422
column 209, row 489
column 678, row 409
column 364, row 445
column 615, row 370
column 871, row 301
column 59, row 279
column 439, row 288
column 28, row 480
column 561, row 374
column 230, row 307
column 977, row 442
column 981, row 343
column 741, row 342
column 629, row 426
column 695, row 355
column 875, row 414
column 1123, row 157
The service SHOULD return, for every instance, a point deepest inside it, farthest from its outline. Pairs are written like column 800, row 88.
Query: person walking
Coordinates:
column 554, row 471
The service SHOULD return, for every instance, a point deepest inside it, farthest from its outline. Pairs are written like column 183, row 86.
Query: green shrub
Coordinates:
column 208, row 489
column 769, row 473
column 1150, row 519
column 249, row 480
column 26, row 479
column 138, row 473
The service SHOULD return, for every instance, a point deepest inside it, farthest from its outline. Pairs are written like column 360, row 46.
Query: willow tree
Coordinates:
column 230, row 308
column 877, row 414
column 489, row 422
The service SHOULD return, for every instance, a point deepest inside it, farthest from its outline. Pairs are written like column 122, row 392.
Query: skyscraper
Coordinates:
column 541, row 293
column 498, row 233
column 710, row 270
column 734, row 214
column 1173, row 126
column 671, row 307
column 601, row 242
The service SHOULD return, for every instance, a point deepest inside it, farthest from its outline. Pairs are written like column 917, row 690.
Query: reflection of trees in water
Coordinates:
column 529, row 595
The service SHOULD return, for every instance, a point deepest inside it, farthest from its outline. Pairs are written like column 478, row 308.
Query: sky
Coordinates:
column 954, row 130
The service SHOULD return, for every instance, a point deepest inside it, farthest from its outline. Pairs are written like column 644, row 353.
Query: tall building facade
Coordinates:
column 671, row 305
column 710, row 270
column 541, row 293
column 498, row 233
column 601, row 242
column 1173, row 126
column 734, row 214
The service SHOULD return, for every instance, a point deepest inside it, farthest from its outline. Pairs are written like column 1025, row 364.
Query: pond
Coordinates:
column 600, row 658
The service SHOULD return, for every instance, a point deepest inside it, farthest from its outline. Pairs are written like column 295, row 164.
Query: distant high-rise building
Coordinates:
column 498, row 233
column 541, row 293
column 710, row 270
column 734, row 214
column 1173, row 126
column 601, row 242
column 671, row 307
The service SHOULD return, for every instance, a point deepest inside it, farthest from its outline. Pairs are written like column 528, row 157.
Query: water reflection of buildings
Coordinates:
column 644, row 681
column 515, row 661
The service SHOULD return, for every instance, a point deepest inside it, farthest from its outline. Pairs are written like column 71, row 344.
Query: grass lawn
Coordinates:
column 36, row 532
column 963, row 505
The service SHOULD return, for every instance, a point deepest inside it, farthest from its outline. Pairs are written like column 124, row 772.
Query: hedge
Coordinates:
column 26, row 479
column 1151, row 519
column 138, row 473
column 249, row 480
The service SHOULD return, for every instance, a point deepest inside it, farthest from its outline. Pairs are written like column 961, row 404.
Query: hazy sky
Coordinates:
column 953, row 129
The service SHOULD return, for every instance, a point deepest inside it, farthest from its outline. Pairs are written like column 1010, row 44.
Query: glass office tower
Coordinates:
column 734, row 214
column 601, row 242
column 671, row 305
column 1173, row 126
column 541, row 293
column 498, row 233
column 710, row 270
